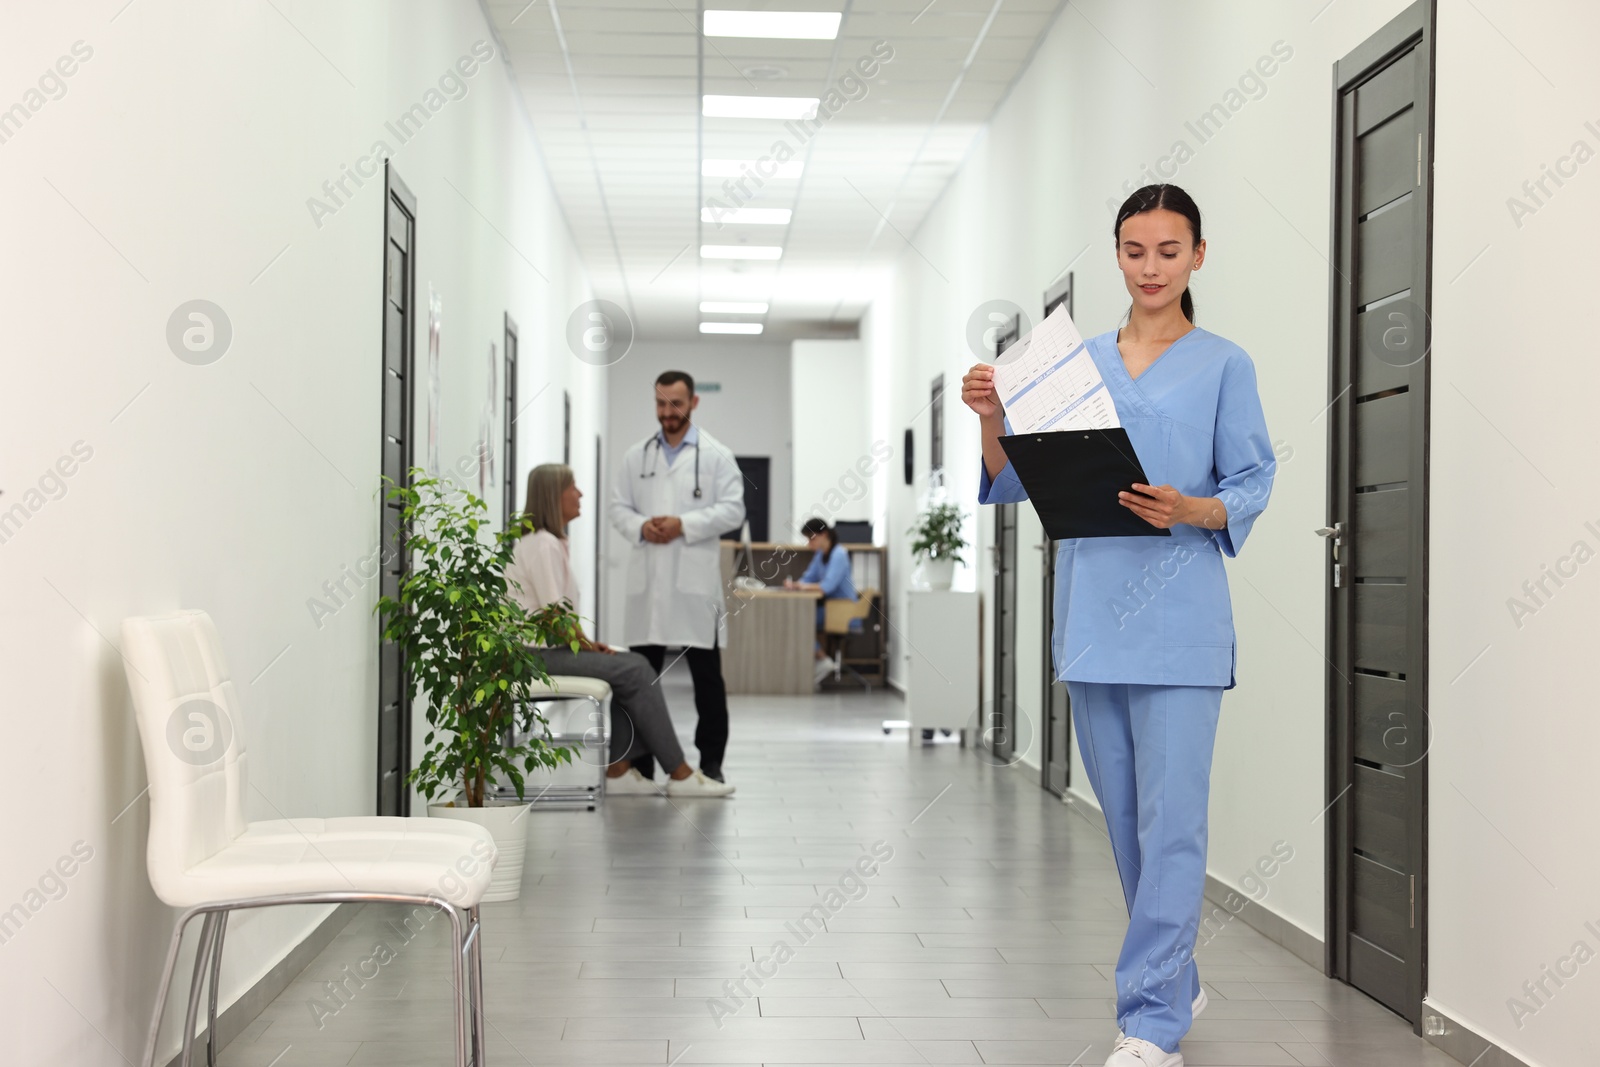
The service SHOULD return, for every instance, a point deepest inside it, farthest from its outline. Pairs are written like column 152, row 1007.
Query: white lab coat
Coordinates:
column 674, row 593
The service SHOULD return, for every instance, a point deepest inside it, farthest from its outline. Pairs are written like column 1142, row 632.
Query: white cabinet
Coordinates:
column 942, row 668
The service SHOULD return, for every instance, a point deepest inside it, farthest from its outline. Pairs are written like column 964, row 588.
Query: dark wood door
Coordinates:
column 508, row 477
column 1055, row 770
column 399, row 404
column 1377, row 591
column 999, row 733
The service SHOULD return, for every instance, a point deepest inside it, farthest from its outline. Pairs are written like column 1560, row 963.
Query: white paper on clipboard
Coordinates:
column 1048, row 381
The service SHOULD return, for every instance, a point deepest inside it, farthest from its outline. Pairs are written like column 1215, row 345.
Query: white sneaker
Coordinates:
column 1197, row 1006
column 630, row 783
column 823, row 668
column 1137, row 1052
column 697, row 785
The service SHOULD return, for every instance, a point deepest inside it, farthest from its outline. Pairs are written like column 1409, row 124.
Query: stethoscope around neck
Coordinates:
column 651, row 473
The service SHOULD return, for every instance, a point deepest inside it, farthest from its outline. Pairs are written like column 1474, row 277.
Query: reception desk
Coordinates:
column 771, row 634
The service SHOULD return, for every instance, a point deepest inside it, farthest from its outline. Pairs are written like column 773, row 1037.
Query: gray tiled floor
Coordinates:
column 988, row 938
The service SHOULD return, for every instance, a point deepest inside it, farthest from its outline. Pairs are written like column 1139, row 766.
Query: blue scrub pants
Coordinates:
column 1147, row 749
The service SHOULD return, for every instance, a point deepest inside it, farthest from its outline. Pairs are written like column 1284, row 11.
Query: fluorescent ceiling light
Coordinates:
column 732, row 168
column 730, row 327
column 748, row 216
column 741, row 251
column 733, row 307
column 810, row 25
column 758, row 107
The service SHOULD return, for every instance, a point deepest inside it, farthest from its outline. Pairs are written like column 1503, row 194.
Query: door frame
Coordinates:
column 1412, row 28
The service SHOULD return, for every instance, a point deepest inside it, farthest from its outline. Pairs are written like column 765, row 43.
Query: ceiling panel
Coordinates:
column 623, row 139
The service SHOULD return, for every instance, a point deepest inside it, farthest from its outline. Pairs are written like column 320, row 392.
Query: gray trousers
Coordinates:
column 640, row 722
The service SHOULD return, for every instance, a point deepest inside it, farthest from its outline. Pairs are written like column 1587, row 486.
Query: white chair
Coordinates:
column 204, row 857
column 593, row 736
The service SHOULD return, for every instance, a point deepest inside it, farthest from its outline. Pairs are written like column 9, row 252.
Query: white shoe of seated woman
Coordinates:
column 697, row 784
column 630, row 783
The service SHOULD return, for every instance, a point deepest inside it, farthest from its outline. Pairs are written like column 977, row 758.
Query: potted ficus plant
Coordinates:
column 939, row 544
column 469, row 654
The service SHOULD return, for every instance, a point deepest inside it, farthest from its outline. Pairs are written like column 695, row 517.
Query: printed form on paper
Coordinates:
column 1048, row 381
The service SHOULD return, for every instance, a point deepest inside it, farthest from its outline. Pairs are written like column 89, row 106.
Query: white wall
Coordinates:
column 1030, row 201
column 1514, row 875
column 749, row 414
column 177, row 165
column 832, row 434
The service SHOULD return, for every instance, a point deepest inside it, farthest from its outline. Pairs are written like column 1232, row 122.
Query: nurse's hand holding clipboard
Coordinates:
column 977, row 392
column 1164, row 507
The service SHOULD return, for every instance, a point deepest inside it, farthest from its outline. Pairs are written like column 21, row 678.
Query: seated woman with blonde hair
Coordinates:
column 541, row 574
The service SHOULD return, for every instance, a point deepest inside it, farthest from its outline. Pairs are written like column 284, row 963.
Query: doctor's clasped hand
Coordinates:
column 662, row 529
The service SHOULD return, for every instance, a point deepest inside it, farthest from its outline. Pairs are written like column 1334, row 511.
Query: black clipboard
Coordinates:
column 1073, row 478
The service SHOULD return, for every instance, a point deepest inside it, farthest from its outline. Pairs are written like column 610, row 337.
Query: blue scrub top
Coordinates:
column 1155, row 610
column 833, row 574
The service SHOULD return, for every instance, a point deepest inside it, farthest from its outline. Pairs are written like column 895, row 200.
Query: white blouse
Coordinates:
column 541, row 572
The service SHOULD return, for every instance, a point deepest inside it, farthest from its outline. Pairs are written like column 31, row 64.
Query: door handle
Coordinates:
column 1334, row 534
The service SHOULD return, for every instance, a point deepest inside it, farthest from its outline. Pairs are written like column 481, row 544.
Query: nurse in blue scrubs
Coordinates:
column 1144, row 627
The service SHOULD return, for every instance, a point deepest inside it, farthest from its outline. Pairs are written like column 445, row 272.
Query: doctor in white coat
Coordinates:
column 678, row 492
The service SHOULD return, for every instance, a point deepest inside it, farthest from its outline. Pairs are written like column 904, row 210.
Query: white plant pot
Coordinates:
column 503, row 819
column 937, row 574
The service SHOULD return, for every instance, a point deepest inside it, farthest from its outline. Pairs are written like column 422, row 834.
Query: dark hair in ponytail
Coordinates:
column 1162, row 198
column 813, row 527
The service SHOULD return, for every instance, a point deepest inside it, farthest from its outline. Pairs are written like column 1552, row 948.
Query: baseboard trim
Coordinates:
column 1262, row 920
column 1268, row 923
column 1461, row 1042
column 236, row 1018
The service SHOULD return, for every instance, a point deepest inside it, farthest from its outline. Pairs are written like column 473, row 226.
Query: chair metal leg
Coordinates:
column 202, row 954
column 480, row 1036
column 165, row 988
column 471, row 1032
column 458, row 965
column 568, row 794
column 211, row 993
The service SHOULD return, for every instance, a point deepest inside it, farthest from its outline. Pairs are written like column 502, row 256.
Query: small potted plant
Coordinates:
column 469, row 655
column 938, row 545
